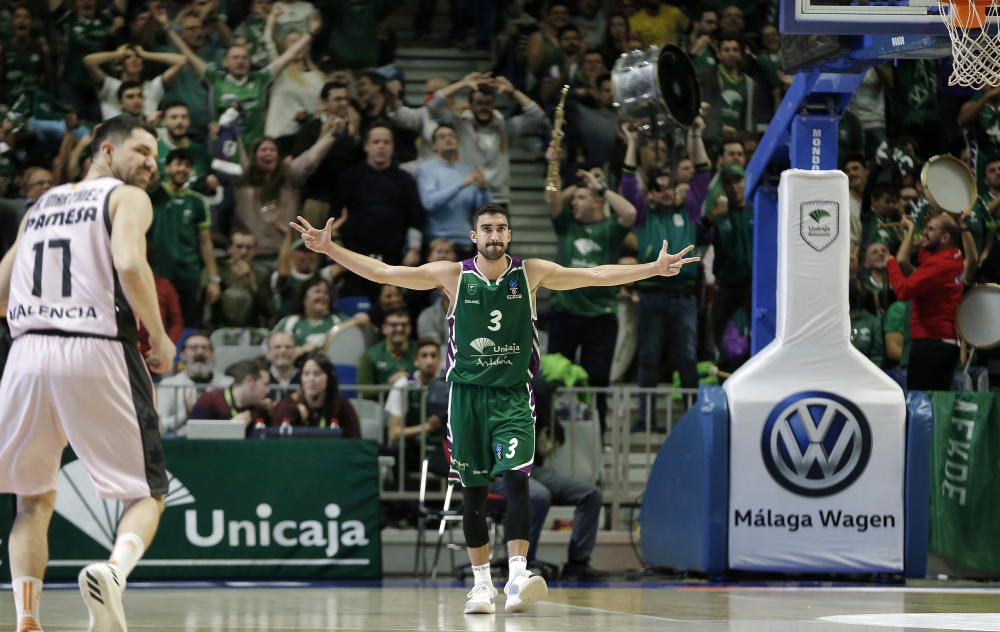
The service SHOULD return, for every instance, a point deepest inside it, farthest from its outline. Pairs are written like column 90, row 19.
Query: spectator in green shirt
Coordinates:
column 176, row 119
column 866, row 327
column 731, row 219
column 896, row 330
column 587, row 319
column 182, row 236
column 25, row 59
column 391, row 359
column 312, row 319
column 246, row 299
column 238, row 83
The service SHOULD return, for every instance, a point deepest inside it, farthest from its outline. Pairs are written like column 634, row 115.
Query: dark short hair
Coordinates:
column 116, row 129
column 699, row 14
column 128, row 85
column 174, row 103
column 731, row 37
column 332, row 85
column 490, row 209
column 239, row 371
column 180, row 153
column 601, row 78
column 375, row 77
column 399, row 313
column 484, row 89
column 380, row 123
column 569, row 27
column 858, row 158
column 884, row 189
column 200, row 333
column 427, row 342
column 442, row 126
column 300, row 297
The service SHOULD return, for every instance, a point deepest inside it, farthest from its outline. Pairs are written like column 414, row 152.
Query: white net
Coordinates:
column 975, row 43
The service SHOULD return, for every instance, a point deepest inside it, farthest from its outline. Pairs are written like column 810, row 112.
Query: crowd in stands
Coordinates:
column 270, row 109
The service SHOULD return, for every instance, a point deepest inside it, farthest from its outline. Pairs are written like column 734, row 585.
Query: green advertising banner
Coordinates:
column 965, row 479
column 253, row 509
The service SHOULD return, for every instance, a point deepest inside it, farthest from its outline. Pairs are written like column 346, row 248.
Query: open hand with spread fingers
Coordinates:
column 670, row 265
column 315, row 239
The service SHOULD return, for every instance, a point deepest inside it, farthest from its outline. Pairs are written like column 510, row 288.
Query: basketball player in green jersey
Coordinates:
column 492, row 354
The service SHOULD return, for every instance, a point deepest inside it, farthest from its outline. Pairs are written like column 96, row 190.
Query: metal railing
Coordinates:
column 617, row 454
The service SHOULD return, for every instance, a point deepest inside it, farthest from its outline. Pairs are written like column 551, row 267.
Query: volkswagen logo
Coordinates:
column 815, row 443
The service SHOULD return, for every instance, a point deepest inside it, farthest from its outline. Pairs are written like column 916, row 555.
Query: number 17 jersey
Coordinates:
column 492, row 338
column 64, row 279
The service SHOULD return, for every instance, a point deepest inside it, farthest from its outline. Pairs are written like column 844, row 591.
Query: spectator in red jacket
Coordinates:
column 170, row 311
column 934, row 288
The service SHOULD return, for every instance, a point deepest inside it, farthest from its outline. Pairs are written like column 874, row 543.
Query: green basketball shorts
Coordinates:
column 491, row 429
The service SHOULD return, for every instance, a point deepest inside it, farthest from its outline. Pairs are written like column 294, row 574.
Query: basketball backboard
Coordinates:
column 861, row 17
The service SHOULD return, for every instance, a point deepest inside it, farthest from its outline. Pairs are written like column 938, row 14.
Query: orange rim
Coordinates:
column 968, row 14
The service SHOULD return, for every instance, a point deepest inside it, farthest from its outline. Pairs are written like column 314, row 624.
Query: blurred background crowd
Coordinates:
column 268, row 109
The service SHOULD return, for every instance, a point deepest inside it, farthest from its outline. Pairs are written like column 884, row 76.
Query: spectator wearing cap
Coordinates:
column 730, row 220
column 450, row 191
column 132, row 60
column 668, row 306
column 181, row 237
column 484, row 135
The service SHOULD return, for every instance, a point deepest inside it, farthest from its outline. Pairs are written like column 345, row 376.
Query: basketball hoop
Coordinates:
column 975, row 41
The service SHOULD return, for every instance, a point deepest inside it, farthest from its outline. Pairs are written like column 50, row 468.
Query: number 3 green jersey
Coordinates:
column 492, row 338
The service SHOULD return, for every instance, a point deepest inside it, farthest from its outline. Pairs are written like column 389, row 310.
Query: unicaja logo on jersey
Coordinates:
column 481, row 344
column 816, row 443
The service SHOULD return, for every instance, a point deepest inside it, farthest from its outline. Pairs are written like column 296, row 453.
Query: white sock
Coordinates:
column 482, row 574
column 27, row 598
column 127, row 552
column 517, row 564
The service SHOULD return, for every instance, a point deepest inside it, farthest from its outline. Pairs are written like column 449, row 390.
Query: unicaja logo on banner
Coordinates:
column 819, row 223
column 816, row 443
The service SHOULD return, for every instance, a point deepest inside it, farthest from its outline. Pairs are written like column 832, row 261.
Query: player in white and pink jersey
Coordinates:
column 73, row 286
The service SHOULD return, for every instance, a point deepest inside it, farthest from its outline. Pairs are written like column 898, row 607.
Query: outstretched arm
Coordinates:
column 555, row 277
column 439, row 274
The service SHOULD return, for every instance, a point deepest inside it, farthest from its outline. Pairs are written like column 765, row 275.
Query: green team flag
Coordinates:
column 965, row 477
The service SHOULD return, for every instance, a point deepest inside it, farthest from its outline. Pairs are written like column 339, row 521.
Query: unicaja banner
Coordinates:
column 817, row 432
column 965, row 478
column 253, row 509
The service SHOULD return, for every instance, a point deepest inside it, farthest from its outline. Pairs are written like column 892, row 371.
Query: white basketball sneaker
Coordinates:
column 481, row 599
column 524, row 589
column 101, row 586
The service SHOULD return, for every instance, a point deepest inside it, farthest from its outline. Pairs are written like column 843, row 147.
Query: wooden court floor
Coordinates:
column 404, row 606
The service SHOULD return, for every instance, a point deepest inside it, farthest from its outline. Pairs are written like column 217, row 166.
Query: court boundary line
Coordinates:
column 226, row 562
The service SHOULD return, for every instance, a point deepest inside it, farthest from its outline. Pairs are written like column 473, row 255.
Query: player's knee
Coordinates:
column 38, row 504
column 474, row 516
column 516, row 484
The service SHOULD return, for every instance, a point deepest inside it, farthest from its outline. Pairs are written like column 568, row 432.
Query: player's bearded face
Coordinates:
column 491, row 247
column 492, row 236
